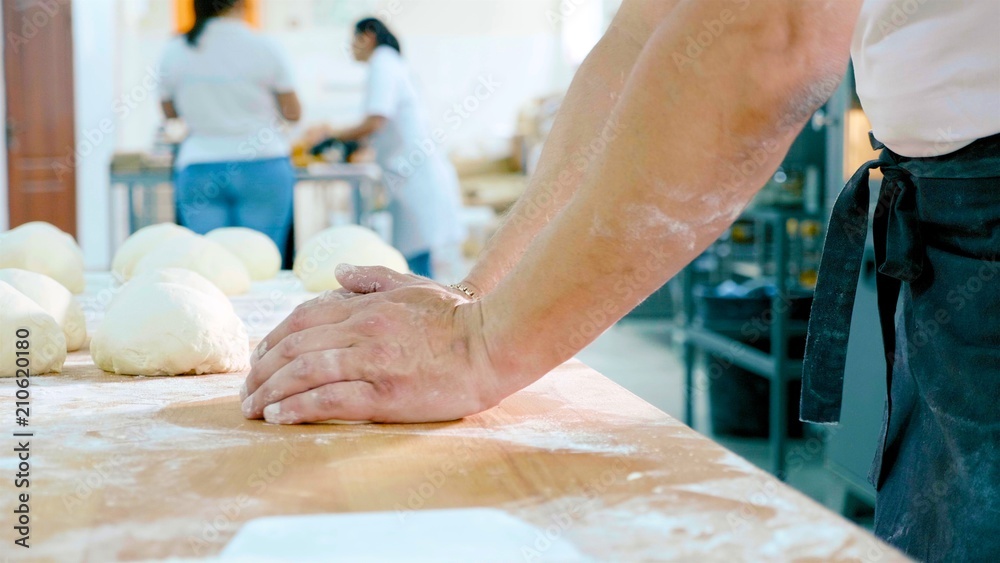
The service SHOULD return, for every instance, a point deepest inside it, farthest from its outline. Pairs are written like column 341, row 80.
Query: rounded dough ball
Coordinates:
column 316, row 263
column 208, row 258
column 257, row 251
column 46, row 342
column 170, row 329
column 179, row 276
column 54, row 299
column 43, row 248
column 140, row 243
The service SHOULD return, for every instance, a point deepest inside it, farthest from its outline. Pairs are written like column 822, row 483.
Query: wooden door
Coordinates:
column 38, row 71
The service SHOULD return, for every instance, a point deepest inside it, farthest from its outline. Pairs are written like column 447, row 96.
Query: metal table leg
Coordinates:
column 689, row 349
column 358, row 199
column 779, row 351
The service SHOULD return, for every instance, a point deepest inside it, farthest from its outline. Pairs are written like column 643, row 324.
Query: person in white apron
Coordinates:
column 422, row 183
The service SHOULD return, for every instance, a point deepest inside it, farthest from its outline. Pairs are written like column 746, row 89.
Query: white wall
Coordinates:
column 94, row 32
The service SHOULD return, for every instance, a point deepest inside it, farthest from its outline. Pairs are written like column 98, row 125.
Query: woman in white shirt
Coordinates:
column 234, row 90
column 421, row 181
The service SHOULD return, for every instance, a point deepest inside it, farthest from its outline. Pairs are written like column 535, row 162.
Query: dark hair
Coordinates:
column 205, row 10
column 382, row 34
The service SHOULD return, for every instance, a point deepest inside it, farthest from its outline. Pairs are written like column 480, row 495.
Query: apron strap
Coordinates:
column 899, row 256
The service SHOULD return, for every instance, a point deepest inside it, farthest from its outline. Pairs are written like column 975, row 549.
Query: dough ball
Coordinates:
column 257, row 251
column 46, row 342
column 179, row 276
column 140, row 243
column 43, row 248
column 338, row 421
column 54, row 299
column 347, row 244
column 208, row 258
column 170, row 329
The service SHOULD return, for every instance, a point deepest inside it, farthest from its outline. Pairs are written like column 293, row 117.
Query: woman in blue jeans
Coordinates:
column 234, row 90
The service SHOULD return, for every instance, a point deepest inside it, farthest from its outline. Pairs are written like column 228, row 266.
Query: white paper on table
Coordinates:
column 474, row 534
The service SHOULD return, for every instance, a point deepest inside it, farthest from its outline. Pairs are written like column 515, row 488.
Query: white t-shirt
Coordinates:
column 224, row 88
column 928, row 72
column 423, row 184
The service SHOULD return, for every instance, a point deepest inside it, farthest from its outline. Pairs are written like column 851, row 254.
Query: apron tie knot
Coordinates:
column 904, row 251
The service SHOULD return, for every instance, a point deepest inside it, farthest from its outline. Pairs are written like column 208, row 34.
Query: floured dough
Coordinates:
column 46, row 342
column 179, row 276
column 43, row 248
column 317, row 262
column 338, row 421
column 140, row 243
column 257, row 251
column 164, row 328
column 197, row 253
column 55, row 299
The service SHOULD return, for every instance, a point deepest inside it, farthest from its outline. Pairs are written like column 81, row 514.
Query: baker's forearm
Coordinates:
column 580, row 133
column 700, row 135
column 369, row 126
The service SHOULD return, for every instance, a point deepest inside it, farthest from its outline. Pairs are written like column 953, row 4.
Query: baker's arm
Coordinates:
column 701, row 129
column 169, row 110
column 371, row 124
column 579, row 135
column 718, row 95
column 289, row 105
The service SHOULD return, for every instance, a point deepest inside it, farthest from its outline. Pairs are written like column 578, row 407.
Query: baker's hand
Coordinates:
column 316, row 134
column 407, row 350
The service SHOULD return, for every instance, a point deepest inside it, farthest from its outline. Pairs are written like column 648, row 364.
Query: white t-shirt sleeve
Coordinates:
column 283, row 80
column 168, row 71
column 382, row 95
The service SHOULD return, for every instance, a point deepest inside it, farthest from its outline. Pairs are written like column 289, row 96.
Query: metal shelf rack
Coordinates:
column 775, row 365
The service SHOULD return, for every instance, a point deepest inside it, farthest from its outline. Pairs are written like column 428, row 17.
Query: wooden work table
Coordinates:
column 150, row 468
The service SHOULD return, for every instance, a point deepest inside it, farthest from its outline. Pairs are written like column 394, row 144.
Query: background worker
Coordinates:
column 234, row 91
column 423, row 188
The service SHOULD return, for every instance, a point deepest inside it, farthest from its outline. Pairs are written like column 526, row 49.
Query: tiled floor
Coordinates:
column 641, row 356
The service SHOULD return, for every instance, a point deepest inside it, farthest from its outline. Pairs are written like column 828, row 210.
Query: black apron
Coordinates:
column 936, row 231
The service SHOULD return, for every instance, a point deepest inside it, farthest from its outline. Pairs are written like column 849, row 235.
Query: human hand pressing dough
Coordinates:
column 412, row 352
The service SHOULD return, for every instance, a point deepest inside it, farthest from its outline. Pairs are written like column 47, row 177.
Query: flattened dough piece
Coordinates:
column 43, row 248
column 257, row 251
column 317, row 262
column 46, row 342
column 170, row 329
column 55, row 299
column 197, row 253
column 141, row 243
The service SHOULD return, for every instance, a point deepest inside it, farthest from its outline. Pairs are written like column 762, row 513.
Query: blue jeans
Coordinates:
column 420, row 265
column 256, row 194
